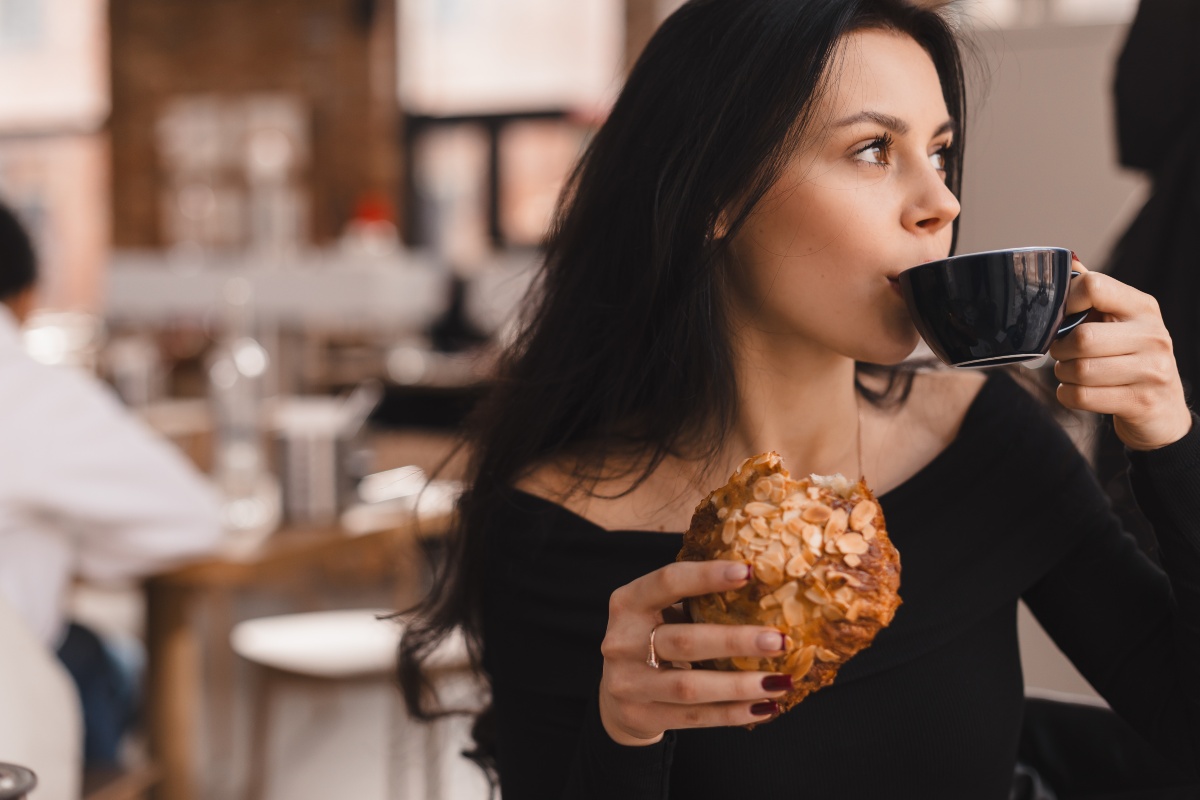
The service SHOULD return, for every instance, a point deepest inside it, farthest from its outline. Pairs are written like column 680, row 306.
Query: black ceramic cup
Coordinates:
column 987, row 309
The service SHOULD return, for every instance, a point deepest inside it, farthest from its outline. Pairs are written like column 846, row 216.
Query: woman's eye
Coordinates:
column 874, row 153
column 938, row 160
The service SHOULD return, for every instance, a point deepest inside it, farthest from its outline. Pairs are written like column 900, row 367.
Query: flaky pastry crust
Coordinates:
column 825, row 572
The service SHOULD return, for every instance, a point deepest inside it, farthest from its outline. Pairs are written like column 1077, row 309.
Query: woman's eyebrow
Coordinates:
column 894, row 124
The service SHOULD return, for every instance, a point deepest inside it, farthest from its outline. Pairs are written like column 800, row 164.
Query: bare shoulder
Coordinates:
column 661, row 501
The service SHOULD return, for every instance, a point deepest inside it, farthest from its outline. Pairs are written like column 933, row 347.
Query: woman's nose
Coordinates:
column 933, row 206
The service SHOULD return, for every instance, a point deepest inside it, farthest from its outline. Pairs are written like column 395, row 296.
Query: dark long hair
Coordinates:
column 624, row 348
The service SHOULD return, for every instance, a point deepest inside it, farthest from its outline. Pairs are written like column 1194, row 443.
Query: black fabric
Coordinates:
column 1157, row 93
column 1087, row 752
column 934, row 708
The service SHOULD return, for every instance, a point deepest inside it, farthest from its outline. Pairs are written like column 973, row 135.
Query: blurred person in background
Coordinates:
column 86, row 491
column 1157, row 93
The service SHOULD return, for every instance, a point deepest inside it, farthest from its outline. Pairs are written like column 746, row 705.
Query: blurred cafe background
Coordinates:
column 290, row 235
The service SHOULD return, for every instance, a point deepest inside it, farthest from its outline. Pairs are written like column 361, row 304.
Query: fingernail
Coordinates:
column 764, row 709
column 1075, row 257
column 777, row 683
column 771, row 641
column 738, row 572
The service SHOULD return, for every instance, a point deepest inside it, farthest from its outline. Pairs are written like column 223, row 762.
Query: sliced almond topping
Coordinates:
column 842, row 578
column 837, row 522
column 787, row 591
column 833, row 613
column 729, row 531
column 797, row 566
column 844, row 595
column 852, row 612
column 825, row 654
column 814, row 492
column 759, row 526
column 768, row 601
column 818, row 594
column 722, row 513
column 719, row 602
column 868, row 532
column 863, row 514
column 852, row 560
column 831, row 546
column 778, row 494
column 760, row 509
column 804, row 661
column 793, row 612
column 795, row 526
column 813, row 537
column 852, row 543
column 767, row 571
column 746, row 532
column 762, row 490
column 816, row 513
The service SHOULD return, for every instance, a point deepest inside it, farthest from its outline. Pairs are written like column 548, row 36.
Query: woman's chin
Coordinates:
column 895, row 350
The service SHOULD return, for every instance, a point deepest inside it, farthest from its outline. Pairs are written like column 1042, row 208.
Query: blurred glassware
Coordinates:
column 63, row 338
column 134, row 365
column 236, row 373
column 15, row 782
column 316, row 439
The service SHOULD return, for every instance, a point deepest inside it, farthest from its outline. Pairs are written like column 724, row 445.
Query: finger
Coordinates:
column 1115, row 370
column 1097, row 340
column 700, row 642
column 1107, row 295
column 1119, row 400
column 698, row 686
column 651, row 593
column 714, row 715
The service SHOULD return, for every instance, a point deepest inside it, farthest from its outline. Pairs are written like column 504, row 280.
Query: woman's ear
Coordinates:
column 720, row 227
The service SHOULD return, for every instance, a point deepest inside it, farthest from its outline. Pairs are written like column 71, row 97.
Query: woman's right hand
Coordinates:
column 638, row 703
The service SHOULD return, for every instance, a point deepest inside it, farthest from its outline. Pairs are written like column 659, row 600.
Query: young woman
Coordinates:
column 721, row 282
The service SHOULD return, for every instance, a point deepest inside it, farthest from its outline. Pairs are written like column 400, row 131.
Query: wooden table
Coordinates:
column 288, row 558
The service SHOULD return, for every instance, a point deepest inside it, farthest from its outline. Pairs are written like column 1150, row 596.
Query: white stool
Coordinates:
column 346, row 646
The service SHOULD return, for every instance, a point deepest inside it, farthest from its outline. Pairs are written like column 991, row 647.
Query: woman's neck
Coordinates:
column 800, row 403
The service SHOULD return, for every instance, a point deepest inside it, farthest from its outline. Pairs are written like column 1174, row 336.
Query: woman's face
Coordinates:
column 864, row 198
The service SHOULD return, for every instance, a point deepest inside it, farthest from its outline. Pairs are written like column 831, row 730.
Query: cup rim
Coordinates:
column 948, row 259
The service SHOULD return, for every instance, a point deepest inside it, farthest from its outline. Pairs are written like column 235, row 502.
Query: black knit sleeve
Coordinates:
column 605, row 770
column 549, row 578
column 1130, row 628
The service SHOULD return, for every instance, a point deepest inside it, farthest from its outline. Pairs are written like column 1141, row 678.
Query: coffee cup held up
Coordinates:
column 992, row 308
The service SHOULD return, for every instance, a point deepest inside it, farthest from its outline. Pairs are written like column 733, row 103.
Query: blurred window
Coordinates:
column 20, row 23
column 1036, row 13
column 469, row 57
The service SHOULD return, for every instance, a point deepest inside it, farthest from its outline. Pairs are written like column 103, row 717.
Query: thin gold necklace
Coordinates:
column 858, row 413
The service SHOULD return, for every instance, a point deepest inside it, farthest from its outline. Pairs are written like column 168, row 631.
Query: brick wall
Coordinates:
column 338, row 56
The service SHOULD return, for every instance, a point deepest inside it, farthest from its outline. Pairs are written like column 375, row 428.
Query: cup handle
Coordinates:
column 1072, row 320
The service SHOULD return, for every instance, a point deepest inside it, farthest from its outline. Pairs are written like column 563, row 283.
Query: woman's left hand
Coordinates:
column 1120, row 362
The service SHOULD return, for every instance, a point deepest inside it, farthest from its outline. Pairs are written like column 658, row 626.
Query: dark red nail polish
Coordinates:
column 1075, row 257
column 765, row 708
column 777, row 683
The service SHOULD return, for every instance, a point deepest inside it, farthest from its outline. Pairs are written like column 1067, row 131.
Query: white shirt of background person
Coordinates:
column 86, row 489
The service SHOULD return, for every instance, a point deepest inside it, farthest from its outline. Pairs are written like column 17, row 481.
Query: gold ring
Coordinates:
column 652, row 657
